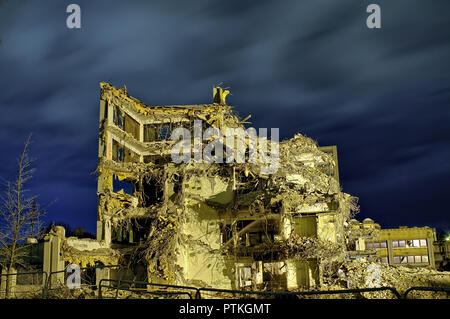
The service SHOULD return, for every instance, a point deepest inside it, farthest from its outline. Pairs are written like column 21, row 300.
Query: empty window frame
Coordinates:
column 164, row 132
column 227, row 232
column 131, row 126
column 305, row 226
column 245, row 276
column 118, row 117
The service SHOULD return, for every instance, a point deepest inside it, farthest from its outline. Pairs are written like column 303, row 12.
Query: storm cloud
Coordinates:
column 381, row 95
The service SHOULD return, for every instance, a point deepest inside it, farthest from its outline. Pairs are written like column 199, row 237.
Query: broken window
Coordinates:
column 130, row 156
column 149, row 133
column 121, row 153
column 153, row 191
column 274, row 275
column 157, row 132
column 140, row 229
column 245, row 276
column 227, row 232
column 240, row 225
column 255, row 232
column 118, row 117
column 245, row 182
column 120, row 234
column 135, row 231
column 88, row 276
column 305, row 226
column 127, row 186
column 164, row 132
column 302, row 274
column 117, row 152
column 131, row 126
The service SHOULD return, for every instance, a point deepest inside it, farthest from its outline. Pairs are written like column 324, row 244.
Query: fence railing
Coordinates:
column 194, row 292
column 15, row 292
column 144, row 283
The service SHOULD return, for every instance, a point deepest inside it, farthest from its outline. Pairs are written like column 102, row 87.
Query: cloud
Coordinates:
column 314, row 67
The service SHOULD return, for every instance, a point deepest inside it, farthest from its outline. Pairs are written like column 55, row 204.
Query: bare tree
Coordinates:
column 20, row 217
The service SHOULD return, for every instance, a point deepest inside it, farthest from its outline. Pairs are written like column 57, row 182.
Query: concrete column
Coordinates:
column 141, row 132
column 108, row 138
column 110, row 118
column 390, row 252
column 107, row 230
column 53, row 260
column 109, row 142
column 99, row 230
column 4, row 279
column 103, row 112
column 286, row 228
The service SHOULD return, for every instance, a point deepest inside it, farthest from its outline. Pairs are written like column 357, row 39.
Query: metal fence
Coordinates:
column 158, row 290
column 162, row 288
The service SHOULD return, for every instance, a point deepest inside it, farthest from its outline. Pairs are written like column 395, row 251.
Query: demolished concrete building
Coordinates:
column 222, row 225
column 232, row 225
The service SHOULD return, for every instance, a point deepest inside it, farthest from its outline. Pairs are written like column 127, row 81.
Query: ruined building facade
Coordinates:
column 222, row 225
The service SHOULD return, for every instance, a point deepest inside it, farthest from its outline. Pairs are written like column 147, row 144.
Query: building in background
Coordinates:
column 397, row 246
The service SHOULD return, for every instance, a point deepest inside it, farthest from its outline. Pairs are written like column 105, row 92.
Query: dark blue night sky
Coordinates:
column 382, row 96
